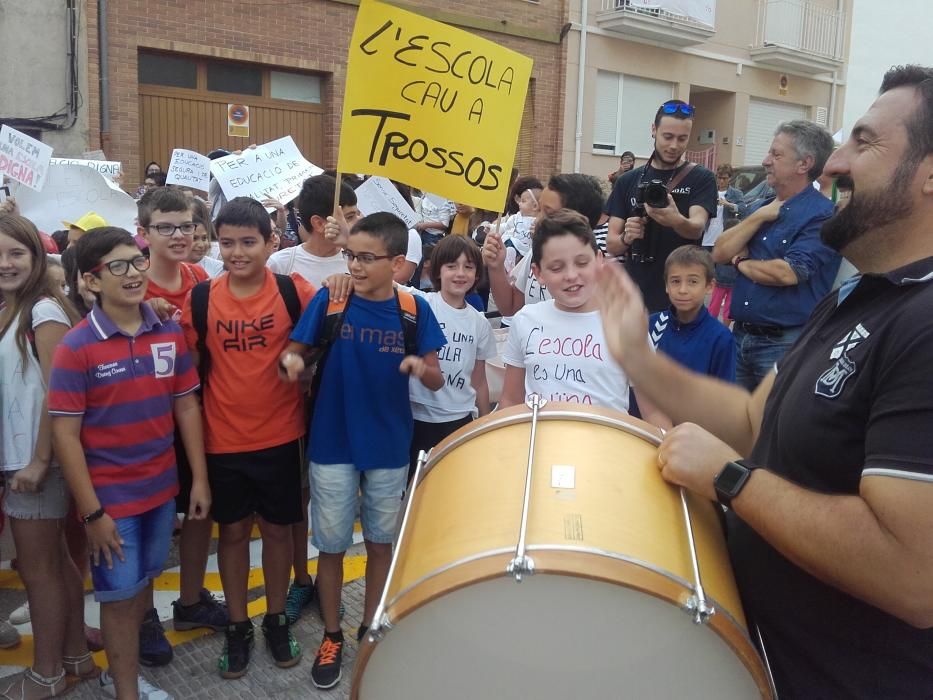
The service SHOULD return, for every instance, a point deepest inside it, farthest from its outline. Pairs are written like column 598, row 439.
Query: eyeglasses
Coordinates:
column 119, row 268
column 364, row 258
column 675, row 107
column 164, row 229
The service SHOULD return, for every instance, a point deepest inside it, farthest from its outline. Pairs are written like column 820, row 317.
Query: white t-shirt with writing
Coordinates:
column 313, row 268
column 469, row 338
column 523, row 279
column 22, row 391
column 565, row 358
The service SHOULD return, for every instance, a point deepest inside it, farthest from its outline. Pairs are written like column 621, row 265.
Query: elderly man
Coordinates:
column 783, row 267
column 831, row 513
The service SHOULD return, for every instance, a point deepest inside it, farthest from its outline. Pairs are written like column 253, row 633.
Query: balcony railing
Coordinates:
column 799, row 34
column 650, row 20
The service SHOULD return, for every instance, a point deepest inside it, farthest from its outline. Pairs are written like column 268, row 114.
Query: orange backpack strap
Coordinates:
column 408, row 314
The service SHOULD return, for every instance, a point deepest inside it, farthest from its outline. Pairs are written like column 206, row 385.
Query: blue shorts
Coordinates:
column 146, row 541
column 335, row 490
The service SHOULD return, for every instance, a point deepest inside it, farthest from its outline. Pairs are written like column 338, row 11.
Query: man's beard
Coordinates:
column 871, row 210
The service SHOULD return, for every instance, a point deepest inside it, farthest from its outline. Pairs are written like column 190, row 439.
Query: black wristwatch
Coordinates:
column 730, row 481
column 91, row 517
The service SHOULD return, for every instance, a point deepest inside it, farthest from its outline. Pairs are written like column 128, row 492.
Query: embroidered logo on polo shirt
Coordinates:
column 832, row 381
column 849, row 341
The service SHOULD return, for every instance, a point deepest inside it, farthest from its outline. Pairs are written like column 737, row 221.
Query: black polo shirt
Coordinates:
column 853, row 397
column 698, row 188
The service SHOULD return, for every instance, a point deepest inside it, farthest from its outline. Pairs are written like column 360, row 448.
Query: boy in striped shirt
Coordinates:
column 121, row 381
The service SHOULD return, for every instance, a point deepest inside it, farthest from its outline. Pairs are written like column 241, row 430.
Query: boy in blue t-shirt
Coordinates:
column 362, row 428
column 686, row 331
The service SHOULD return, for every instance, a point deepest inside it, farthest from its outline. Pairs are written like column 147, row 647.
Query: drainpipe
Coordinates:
column 581, row 76
column 103, row 44
column 840, row 6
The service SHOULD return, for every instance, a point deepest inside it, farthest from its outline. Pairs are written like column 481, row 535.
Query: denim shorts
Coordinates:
column 146, row 541
column 335, row 490
column 50, row 502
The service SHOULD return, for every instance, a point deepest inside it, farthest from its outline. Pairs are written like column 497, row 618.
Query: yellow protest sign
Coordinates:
column 432, row 106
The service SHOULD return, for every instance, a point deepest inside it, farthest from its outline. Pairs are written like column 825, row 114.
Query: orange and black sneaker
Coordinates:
column 326, row 672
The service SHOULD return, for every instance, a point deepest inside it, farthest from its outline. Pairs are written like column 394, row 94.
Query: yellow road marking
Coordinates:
column 353, row 569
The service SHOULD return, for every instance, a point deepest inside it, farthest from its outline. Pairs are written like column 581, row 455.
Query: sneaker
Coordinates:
column 154, row 649
column 283, row 646
column 21, row 615
column 207, row 612
column 146, row 690
column 235, row 657
column 326, row 672
column 299, row 597
column 9, row 635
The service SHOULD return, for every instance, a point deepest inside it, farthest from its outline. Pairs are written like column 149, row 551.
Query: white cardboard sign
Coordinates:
column 108, row 168
column 273, row 170
column 23, row 158
column 379, row 194
column 70, row 192
column 189, row 169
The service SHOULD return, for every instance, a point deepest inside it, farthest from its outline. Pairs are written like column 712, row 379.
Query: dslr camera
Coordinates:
column 654, row 194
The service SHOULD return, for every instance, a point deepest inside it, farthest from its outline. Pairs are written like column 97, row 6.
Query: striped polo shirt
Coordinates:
column 123, row 387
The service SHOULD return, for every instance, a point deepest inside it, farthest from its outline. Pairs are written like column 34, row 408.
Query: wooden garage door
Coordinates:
column 197, row 121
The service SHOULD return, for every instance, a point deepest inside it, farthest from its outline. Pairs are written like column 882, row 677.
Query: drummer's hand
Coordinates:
column 691, row 457
column 625, row 320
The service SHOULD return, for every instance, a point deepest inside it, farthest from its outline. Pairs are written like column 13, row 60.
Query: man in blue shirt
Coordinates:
column 783, row 267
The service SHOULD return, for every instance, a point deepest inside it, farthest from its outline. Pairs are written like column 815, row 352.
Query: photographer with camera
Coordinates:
column 661, row 205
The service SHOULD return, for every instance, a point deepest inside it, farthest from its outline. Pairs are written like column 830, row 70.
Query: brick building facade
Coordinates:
column 309, row 38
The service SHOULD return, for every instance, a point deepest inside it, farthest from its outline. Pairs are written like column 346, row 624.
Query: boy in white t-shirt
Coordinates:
column 317, row 258
column 511, row 291
column 556, row 348
column 455, row 268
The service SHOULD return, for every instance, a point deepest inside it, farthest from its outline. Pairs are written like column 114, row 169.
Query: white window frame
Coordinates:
column 616, row 150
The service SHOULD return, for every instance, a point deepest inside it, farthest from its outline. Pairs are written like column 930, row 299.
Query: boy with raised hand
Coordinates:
column 166, row 223
column 317, row 258
column 359, row 442
column 556, row 348
column 254, row 425
column 121, row 382
column 513, row 290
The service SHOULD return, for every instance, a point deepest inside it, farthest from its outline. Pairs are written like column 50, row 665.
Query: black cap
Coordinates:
column 218, row 153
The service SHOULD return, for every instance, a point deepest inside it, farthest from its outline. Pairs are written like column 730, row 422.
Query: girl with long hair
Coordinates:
column 34, row 316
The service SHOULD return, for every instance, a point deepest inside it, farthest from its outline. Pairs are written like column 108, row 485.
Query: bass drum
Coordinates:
column 603, row 615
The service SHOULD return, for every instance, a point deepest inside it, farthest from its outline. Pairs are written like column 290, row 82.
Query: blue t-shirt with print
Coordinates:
column 362, row 412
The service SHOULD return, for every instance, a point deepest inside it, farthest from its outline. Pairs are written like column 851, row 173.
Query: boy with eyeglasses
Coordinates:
column 646, row 235
column 121, row 382
column 254, row 423
column 165, row 222
column 361, row 433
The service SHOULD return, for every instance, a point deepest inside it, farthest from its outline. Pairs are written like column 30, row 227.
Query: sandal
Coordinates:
column 31, row 686
column 83, row 667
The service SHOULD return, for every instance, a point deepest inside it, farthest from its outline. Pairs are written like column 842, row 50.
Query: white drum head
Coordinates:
column 552, row 637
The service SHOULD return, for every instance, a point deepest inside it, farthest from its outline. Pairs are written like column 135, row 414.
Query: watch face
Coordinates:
column 730, row 477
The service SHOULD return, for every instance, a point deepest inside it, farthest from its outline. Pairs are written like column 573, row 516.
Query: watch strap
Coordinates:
column 724, row 496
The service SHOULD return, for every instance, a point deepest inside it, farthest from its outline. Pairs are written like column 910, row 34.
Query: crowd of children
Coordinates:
column 216, row 378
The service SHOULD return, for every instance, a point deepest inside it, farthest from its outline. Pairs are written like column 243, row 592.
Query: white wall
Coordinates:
column 884, row 34
column 34, row 67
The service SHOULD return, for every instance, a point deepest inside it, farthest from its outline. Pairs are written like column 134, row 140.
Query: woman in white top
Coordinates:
column 201, row 240
column 34, row 317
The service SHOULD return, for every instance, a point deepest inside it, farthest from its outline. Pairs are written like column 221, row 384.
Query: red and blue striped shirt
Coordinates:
column 123, row 387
